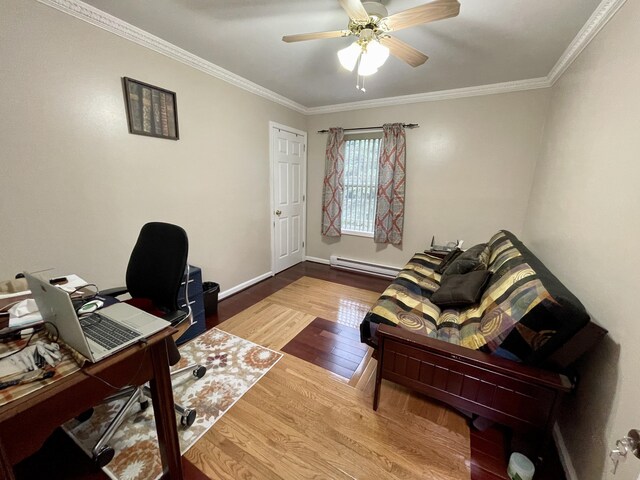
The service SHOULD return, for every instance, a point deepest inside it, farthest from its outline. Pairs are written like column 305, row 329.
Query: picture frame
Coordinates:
column 151, row 111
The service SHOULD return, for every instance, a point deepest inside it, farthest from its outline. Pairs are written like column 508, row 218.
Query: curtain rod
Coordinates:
column 405, row 125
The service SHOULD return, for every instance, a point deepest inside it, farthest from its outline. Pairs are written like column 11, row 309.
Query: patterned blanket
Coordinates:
column 524, row 314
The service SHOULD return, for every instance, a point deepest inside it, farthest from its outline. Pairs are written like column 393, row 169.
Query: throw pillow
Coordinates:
column 446, row 261
column 484, row 257
column 468, row 261
column 461, row 290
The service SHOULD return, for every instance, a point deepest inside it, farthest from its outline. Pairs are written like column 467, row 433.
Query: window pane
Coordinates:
column 360, row 184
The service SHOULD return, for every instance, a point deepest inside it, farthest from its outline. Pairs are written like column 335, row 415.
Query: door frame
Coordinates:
column 273, row 127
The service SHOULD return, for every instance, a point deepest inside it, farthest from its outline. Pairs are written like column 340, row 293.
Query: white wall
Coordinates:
column 583, row 222
column 77, row 187
column 469, row 171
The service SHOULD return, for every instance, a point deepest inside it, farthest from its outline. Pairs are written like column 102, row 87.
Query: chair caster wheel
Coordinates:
column 144, row 405
column 199, row 371
column 188, row 418
column 104, row 456
column 84, row 416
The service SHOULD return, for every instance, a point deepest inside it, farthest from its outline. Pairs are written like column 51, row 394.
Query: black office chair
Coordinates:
column 156, row 272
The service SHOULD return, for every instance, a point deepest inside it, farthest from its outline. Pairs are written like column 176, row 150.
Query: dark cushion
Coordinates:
column 468, row 261
column 446, row 261
column 461, row 290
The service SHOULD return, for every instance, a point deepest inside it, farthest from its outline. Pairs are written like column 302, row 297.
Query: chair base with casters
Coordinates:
column 102, row 453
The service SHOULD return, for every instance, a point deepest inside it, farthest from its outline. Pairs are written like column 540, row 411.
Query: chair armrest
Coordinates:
column 478, row 359
column 113, row 292
column 176, row 318
column 179, row 320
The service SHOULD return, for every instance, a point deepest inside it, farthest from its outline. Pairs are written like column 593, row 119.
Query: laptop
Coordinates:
column 96, row 335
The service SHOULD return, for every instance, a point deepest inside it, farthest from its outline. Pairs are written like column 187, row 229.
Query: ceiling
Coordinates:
column 491, row 41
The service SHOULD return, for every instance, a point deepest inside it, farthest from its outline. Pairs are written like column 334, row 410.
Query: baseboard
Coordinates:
column 242, row 286
column 565, row 459
column 317, row 260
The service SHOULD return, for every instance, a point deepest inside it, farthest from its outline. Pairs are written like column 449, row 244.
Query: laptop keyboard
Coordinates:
column 105, row 332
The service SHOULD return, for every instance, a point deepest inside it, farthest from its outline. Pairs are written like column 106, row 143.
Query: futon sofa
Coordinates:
column 504, row 358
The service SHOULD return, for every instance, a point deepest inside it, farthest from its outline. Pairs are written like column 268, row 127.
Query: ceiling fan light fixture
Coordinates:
column 377, row 52
column 367, row 65
column 349, row 56
column 373, row 57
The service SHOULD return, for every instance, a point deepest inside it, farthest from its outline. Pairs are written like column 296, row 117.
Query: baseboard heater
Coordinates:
column 362, row 267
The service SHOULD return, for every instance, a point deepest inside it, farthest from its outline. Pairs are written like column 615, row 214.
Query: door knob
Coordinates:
column 278, row 212
column 629, row 443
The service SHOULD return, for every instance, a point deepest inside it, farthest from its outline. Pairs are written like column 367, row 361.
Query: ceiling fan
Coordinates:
column 372, row 26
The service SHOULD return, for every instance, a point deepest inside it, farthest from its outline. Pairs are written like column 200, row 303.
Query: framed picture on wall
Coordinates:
column 151, row 110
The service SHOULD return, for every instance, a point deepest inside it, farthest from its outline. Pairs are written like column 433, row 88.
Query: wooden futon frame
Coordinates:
column 508, row 393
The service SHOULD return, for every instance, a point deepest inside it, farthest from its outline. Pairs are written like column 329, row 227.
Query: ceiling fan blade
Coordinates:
column 316, row 35
column 355, row 10
column 404, row 51
column 429, row 12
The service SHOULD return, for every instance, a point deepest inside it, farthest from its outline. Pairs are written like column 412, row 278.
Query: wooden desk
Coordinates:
column 25, row 423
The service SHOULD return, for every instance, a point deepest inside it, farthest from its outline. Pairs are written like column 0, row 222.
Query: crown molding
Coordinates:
column 94, row 16
column 495, row 88
column 76, row 8
column 605, row 12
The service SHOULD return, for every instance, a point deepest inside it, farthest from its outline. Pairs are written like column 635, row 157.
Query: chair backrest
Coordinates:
column 157, row 265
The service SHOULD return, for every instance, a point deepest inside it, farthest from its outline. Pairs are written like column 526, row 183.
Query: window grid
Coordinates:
column 360, row 185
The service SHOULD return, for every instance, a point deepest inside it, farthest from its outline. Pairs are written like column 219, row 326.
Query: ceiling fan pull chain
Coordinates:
column 360, row 83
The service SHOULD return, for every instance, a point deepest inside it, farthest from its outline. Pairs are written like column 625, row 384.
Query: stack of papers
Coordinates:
column 72, row 284
column 25, row 313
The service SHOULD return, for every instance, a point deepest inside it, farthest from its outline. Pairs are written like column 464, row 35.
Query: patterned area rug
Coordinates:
column 233, row 364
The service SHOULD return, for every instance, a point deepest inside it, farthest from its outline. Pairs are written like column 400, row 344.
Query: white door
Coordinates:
column 288, row 173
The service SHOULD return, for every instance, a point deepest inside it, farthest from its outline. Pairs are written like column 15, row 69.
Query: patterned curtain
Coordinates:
column 391, row 183
column 333, row 184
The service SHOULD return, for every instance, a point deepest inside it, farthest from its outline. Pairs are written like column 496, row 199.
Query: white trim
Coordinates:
column 353, row 233
column 244, row 285
column 324, row 261
column 94, row 16
column 605, row 12
column 272, row 221
column 76, row 8
column 492, row 89
column 565, row 459
column 295, row 131
column 273, row 126
column 602, row 14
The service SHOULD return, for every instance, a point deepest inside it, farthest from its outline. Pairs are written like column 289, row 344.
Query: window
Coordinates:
column 360, row 185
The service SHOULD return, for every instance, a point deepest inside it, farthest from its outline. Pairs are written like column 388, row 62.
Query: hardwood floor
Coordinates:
column 329, row 345
column 488, row 449
column 302, row 420
column 241, row 300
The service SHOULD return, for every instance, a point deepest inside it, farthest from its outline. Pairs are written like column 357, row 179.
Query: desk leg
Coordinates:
column 163, row 408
